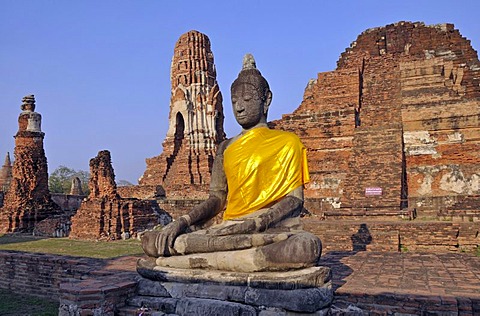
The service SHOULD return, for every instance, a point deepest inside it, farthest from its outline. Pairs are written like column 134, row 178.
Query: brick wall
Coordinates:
column 83, row 286
column 142, row 192
column 41, row 274
column 177, row 208
column 395, row 236
column 68, row 202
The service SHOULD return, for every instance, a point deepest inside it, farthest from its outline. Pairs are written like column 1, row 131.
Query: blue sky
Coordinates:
column 100, row 69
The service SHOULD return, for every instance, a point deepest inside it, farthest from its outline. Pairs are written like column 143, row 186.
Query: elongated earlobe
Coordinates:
column 268, row 100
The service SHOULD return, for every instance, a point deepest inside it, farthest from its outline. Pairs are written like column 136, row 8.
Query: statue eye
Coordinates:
column 247, row 97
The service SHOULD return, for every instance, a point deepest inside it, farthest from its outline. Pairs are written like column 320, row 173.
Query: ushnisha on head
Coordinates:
column 251, row 95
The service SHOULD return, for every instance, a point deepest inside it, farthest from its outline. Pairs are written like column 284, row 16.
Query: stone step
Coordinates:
column 160, row 306
column 202, row 306
column 163, row 304
column 135, row 311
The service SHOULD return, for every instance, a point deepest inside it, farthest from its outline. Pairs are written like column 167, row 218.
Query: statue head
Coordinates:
column 251, row 95
column 28, row 103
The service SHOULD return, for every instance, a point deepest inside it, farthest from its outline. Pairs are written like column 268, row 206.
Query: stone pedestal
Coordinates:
column 206, row 292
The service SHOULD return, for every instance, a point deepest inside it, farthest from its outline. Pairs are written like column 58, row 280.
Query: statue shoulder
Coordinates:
column 223, row 145
column 287, row 137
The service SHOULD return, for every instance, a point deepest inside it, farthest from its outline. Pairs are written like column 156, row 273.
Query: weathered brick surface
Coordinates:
column 102, row 177
column 143, row 192
column 68, row 202
column 41, row 274
column 55, row 226
column 367, row 235
column 400, row 113
column 195, row 120
column 83, row 286
column 177, row 208
column 27, row 200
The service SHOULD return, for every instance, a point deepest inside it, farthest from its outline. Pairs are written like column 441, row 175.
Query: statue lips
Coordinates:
column 241, row 118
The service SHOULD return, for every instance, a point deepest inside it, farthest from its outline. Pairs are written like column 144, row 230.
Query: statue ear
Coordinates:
column 268, row 100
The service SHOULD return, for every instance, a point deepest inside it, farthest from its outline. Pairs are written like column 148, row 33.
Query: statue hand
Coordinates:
column 160, row 243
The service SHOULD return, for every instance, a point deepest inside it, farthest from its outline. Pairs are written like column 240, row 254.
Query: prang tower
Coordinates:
column 196, row 117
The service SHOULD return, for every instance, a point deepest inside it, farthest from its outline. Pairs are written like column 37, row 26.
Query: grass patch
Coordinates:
column 70, row 247
column 16, row 304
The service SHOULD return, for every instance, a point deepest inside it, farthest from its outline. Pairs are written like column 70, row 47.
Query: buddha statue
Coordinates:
column 257, row 182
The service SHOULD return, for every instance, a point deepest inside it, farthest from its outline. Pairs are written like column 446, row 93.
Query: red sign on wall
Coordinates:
column 373, row 191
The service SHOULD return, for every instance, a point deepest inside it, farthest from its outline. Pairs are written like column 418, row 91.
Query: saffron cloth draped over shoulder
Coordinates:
column 262, row 166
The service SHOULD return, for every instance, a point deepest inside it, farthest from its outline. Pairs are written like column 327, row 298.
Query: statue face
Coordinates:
column 248, row 106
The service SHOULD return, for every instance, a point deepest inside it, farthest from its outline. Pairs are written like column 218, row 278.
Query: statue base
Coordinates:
column 209, row 292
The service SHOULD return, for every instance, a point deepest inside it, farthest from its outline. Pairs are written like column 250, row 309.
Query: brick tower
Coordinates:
column 195, row 122
column 28, row 200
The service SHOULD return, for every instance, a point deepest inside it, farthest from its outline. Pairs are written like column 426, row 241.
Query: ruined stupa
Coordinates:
column 105, row 215
column 195, row 125
column 5, row 177
column 6, row 174
column 28, row 200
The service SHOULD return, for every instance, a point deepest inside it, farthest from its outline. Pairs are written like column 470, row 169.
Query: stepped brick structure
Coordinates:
column 395, row 126
column 105, row 215
column 195, row 122
column 28, row 200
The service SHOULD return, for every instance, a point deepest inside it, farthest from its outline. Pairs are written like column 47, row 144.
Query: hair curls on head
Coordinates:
column 251, row 75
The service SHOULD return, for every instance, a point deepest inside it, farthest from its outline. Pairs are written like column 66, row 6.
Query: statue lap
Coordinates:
column 279, row 248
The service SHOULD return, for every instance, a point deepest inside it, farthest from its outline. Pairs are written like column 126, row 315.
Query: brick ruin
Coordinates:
column 27, row 200
column 105, row 215
column 195, row 122
column 395, row 126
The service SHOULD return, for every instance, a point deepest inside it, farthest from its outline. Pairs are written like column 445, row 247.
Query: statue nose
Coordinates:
column 240, row 108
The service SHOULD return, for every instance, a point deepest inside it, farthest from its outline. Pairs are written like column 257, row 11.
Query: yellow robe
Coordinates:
column 262, row 166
